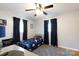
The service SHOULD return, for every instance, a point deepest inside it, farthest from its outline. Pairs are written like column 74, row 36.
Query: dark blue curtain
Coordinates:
column 46, row 35
column 16, row 29
column 54, row 32
column 25, row 30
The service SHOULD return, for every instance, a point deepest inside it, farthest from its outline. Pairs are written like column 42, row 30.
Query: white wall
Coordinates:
column 7, row 15
column 68, row 29
column 9, row 27
column 31, row 31
column 39, row 25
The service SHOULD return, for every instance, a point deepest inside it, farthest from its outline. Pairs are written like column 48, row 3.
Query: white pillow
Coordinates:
column 33, row 45
column 35, row 40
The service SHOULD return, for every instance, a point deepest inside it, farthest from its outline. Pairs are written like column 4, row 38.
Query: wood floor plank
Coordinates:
column 46, row 50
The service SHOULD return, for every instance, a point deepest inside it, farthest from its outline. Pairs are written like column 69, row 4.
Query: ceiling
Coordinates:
column 56, row 10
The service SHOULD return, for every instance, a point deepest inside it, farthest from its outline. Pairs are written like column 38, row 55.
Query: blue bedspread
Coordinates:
column 31, row 44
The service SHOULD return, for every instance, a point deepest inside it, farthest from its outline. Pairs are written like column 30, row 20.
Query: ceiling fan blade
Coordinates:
column 44, row 13
column 49, row 6
column 29, row 9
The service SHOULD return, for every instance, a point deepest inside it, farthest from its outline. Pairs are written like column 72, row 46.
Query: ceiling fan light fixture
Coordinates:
column 40, row 9
column 38, row 12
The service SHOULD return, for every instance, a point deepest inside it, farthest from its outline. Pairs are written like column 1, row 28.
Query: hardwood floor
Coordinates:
column 76, row 53
column 46, row 50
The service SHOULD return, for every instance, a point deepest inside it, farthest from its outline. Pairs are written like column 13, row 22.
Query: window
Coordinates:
column 21, row 26
column 49, row 26
column 49, row 31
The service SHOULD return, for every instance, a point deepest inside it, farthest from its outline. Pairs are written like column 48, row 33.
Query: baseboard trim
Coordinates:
column 68, row 48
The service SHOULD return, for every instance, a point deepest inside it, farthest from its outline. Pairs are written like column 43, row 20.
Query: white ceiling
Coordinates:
column 57, row 9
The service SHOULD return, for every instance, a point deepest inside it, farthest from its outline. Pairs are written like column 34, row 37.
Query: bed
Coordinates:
column 32, row 43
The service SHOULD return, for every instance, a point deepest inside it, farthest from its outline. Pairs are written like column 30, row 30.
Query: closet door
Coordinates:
column 46, row 35
column 25, row 30
column 16, row 31
column 54, row 32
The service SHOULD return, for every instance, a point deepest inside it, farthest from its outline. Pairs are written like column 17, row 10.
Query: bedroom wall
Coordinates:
column 39, row 27
column 39, row 24
column 31, row 29
column 7, row 15
column 9, row 27
column 68, row 29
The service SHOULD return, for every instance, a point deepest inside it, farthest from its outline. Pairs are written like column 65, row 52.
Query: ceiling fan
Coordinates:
column 41, row 8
